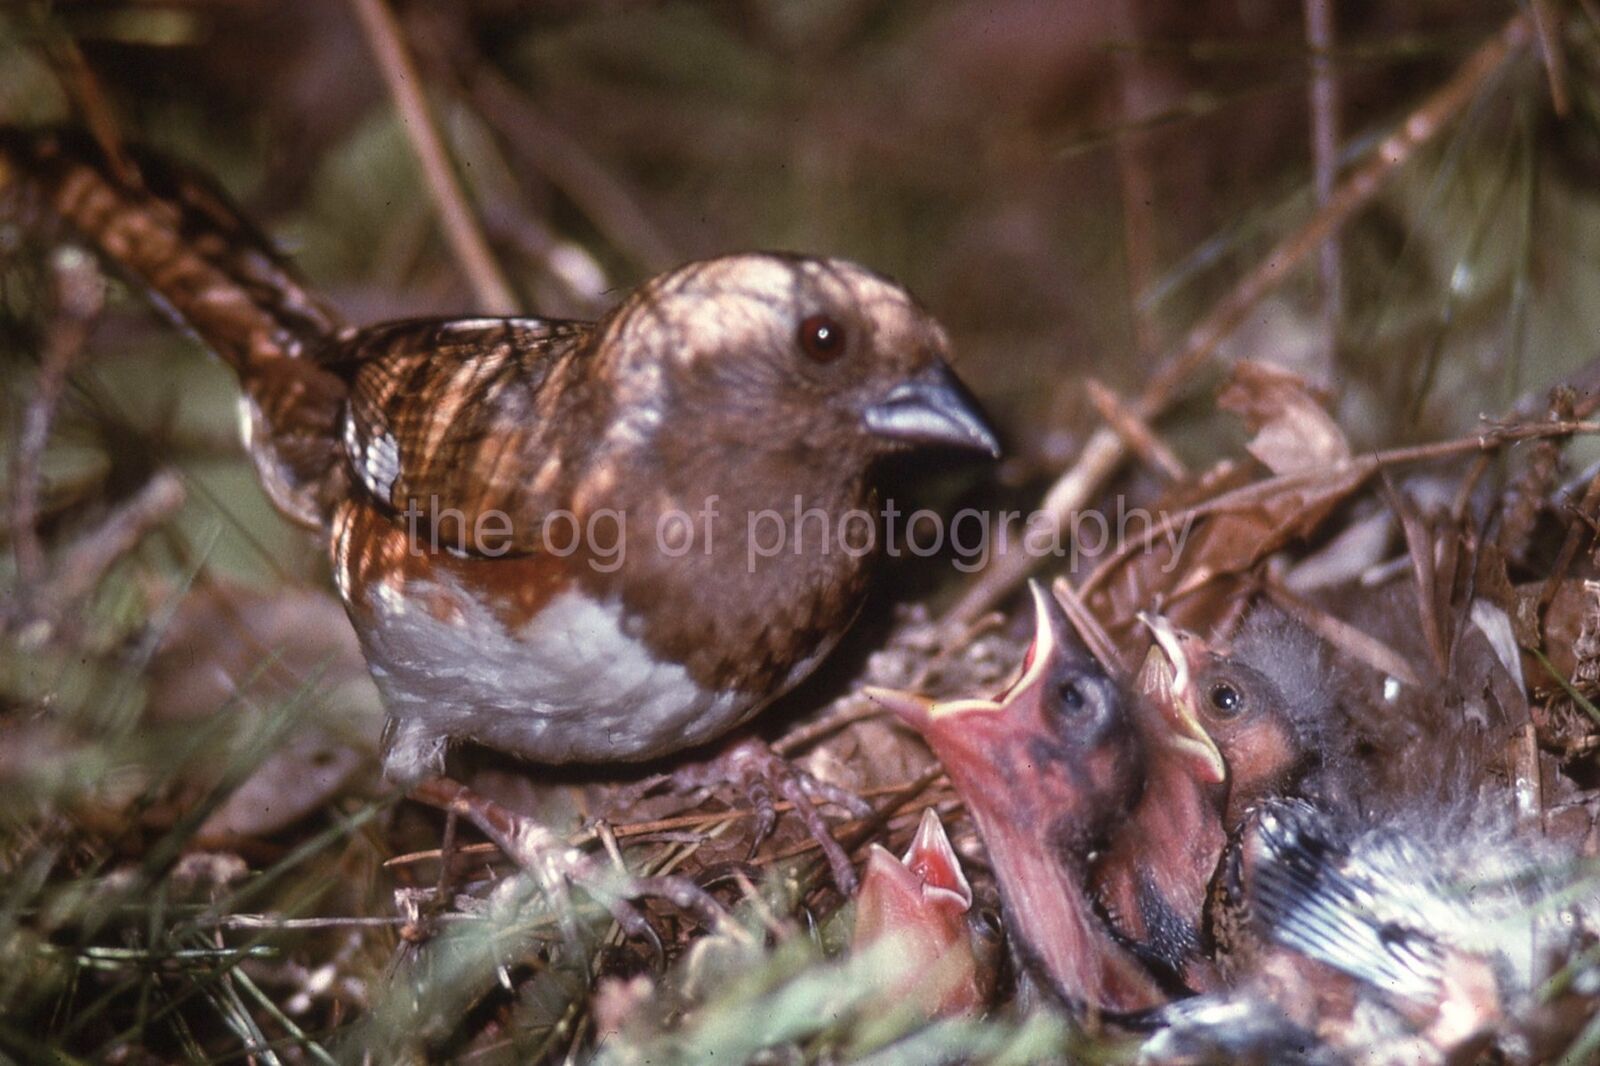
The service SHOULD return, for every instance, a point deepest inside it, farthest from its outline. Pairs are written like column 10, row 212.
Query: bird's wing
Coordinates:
column 1312, row 894
column 450, row 421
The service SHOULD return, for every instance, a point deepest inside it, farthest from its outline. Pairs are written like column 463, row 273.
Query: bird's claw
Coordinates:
column 540, row 852
column 760, row 772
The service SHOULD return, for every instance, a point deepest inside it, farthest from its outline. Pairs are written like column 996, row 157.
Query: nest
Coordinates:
column 203, row 861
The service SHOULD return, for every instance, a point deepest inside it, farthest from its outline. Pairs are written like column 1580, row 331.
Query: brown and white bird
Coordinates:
column 570, row 541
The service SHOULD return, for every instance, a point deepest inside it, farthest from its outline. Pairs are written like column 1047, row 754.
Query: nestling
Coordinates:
column 1048, row 768
column 1220, row 734
column 921, row 900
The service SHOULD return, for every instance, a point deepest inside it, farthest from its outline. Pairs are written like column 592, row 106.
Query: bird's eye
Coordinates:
column 821, row 338
column 1070, row 696
column 1225, row 699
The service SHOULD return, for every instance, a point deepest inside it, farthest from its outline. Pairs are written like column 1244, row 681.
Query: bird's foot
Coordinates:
column 760, row 773
column 556, row 864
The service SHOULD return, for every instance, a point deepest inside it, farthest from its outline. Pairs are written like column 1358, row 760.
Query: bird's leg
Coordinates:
column 760, row 772
column 538, row 850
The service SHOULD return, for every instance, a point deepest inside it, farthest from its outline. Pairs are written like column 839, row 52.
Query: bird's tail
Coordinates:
column 175, row 236
column 172, row 232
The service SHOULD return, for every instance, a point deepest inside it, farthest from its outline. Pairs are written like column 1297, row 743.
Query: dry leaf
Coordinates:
column 1293, row 433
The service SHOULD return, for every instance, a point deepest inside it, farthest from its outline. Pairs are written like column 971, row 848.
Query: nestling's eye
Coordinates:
column 1226, row 700
column 821, row 338
column 1070, row 697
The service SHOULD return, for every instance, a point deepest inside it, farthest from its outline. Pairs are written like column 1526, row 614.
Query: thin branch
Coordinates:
column 1324, row 102
column 1356, row 469
column 461, row 227
column 86, row 562
column 1090, row 631
column 89, row 101
column 1352, row 640
column 79, row 293
column 855, row 707
column 1547, row 21
column 540, row 143
column 1139, row 97
column 1104, row 451
column 1135, row 432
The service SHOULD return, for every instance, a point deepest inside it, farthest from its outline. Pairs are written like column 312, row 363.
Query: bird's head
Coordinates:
column 1047, row 768
column 922, row 899
column 818, row 359
column 1056, row 753
column 1232, row 719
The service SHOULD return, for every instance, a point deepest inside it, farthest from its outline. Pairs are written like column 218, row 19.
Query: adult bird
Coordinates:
column 570, row 541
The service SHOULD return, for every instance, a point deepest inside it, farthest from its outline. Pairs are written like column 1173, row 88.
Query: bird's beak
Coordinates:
column 932, row 408
column 964, row 734
column 914, row 710
column 969, row 734
column 1168, row 679
column 932, row 858
column 935, row 720
column 967, row 729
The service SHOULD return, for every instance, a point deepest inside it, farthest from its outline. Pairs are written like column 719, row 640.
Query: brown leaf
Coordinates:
column 1293, row 433
column 1220, row 538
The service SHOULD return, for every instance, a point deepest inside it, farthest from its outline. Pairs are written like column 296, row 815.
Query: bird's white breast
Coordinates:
column 574, row 684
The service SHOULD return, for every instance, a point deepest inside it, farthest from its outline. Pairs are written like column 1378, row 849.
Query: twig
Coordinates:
column 703, row 822
column 1420, row 550
column 1090, row 631
column 461, row 228
column 1138, row 100
column 89, row 100
column 79, row 293
column 448, row 46
column 1355, row 641
column 543, row 145
column 268, row 921
column 1355, row 469
column 1579, row 527
column 1104, row 451
column 856, row 708
column 1547, row 21
column 1526, row 785
column 86, row 562
column 1324, row 101
column 1135, row 432
column 858, row 831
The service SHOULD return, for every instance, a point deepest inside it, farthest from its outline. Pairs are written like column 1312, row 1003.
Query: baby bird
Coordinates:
column 1218, row 734
column 921, row 900
column 1357, row 934
column 1343, row 930
column 1048, row 768
column 1263, row 699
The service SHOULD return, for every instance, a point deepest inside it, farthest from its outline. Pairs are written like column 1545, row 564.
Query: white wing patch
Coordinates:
column 375, row 458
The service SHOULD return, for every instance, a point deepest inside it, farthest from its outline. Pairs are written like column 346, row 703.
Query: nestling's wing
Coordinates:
column 449, row 426
column 1311, row 894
